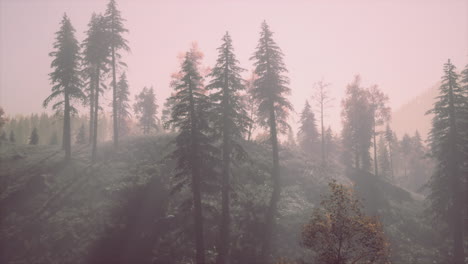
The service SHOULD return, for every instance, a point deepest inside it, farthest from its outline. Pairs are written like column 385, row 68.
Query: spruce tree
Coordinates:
column 146, row 109
column 193, row 145
column 230, row 121
column 383, row 158
column 446, row 145
column 357, row 126
column 389, row 138
column 34, row 138
column 307, row 135
column 270, row 88
column 96, row 57
column 381, row 113
column 115, row 29
column 65, row 78
column 123, row 112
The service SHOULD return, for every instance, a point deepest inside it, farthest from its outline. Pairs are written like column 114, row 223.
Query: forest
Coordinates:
column 217, row 172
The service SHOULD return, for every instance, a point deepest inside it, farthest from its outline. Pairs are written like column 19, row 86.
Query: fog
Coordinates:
column 397, row 45
column 234, row 132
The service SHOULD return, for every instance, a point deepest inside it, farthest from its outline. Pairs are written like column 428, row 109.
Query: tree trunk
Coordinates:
column 275, row 196
column 114, row 100
column 96, row 116
column 323, row 133
column 454, row 172
column 91, row 110
column 391, row 160
column 67, row 127
column 225, row 215
column 376, row 167
column 196, row 188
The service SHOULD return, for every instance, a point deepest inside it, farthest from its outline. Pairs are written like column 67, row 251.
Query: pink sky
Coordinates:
column 399, row 45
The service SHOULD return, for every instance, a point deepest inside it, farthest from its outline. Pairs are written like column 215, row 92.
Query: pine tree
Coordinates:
column 390, row 142
column 383, row 158
column 115, row 29
column 308, row 136
column 357, row 126
column 65, row 78
column 12, row 137
column 193, row 148
column 34, row 138
column 405, row 151
column 270, row 88
column 230, row 121
column 146, row 109
column 446, row 144
column 81, row 136
column 167, row 112
column 96, row 58
column 123, row 112
column 381, row 113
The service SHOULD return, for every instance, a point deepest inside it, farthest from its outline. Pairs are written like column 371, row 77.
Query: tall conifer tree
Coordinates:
column 123, row 107
column 230, row 122
column 96, row 58
column 308, row 136
column 65, row 78
column 117, row 42
column 193, row 145
column 270, row 88
column 446, row 144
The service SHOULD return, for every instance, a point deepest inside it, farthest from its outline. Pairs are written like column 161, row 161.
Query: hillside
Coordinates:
column 412, row 115
column 121, row 210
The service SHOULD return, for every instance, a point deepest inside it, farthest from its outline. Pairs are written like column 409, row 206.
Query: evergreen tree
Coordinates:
column 193, row 148
column 308, row 136
column 381, row 113
column 390, row 143
column 81, row 136
column 12, row 137
column 123, row 112
column 383, row 158
column 115, row 29
column 270, row 88
column 405, row 151
column 146, row 109
column 167, row 112
column 230, row 122
column 65, row 77
column 96, row 58
column 34, row 138
column 357, row 126
column 446, row 144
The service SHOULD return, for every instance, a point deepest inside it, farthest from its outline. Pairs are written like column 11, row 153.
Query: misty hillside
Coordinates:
column 412, row 115
column 119, row 210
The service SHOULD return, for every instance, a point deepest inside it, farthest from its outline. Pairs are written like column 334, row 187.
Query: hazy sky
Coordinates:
column 399, row 45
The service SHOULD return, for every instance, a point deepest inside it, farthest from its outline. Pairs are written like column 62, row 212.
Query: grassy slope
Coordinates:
column 119, row 208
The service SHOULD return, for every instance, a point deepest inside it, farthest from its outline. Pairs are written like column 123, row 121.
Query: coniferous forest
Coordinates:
column 226, row 169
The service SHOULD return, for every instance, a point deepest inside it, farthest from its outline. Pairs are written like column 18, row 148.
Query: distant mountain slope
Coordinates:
column 412, row 115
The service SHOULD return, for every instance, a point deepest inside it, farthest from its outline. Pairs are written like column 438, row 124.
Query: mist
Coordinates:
column 233, row 131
